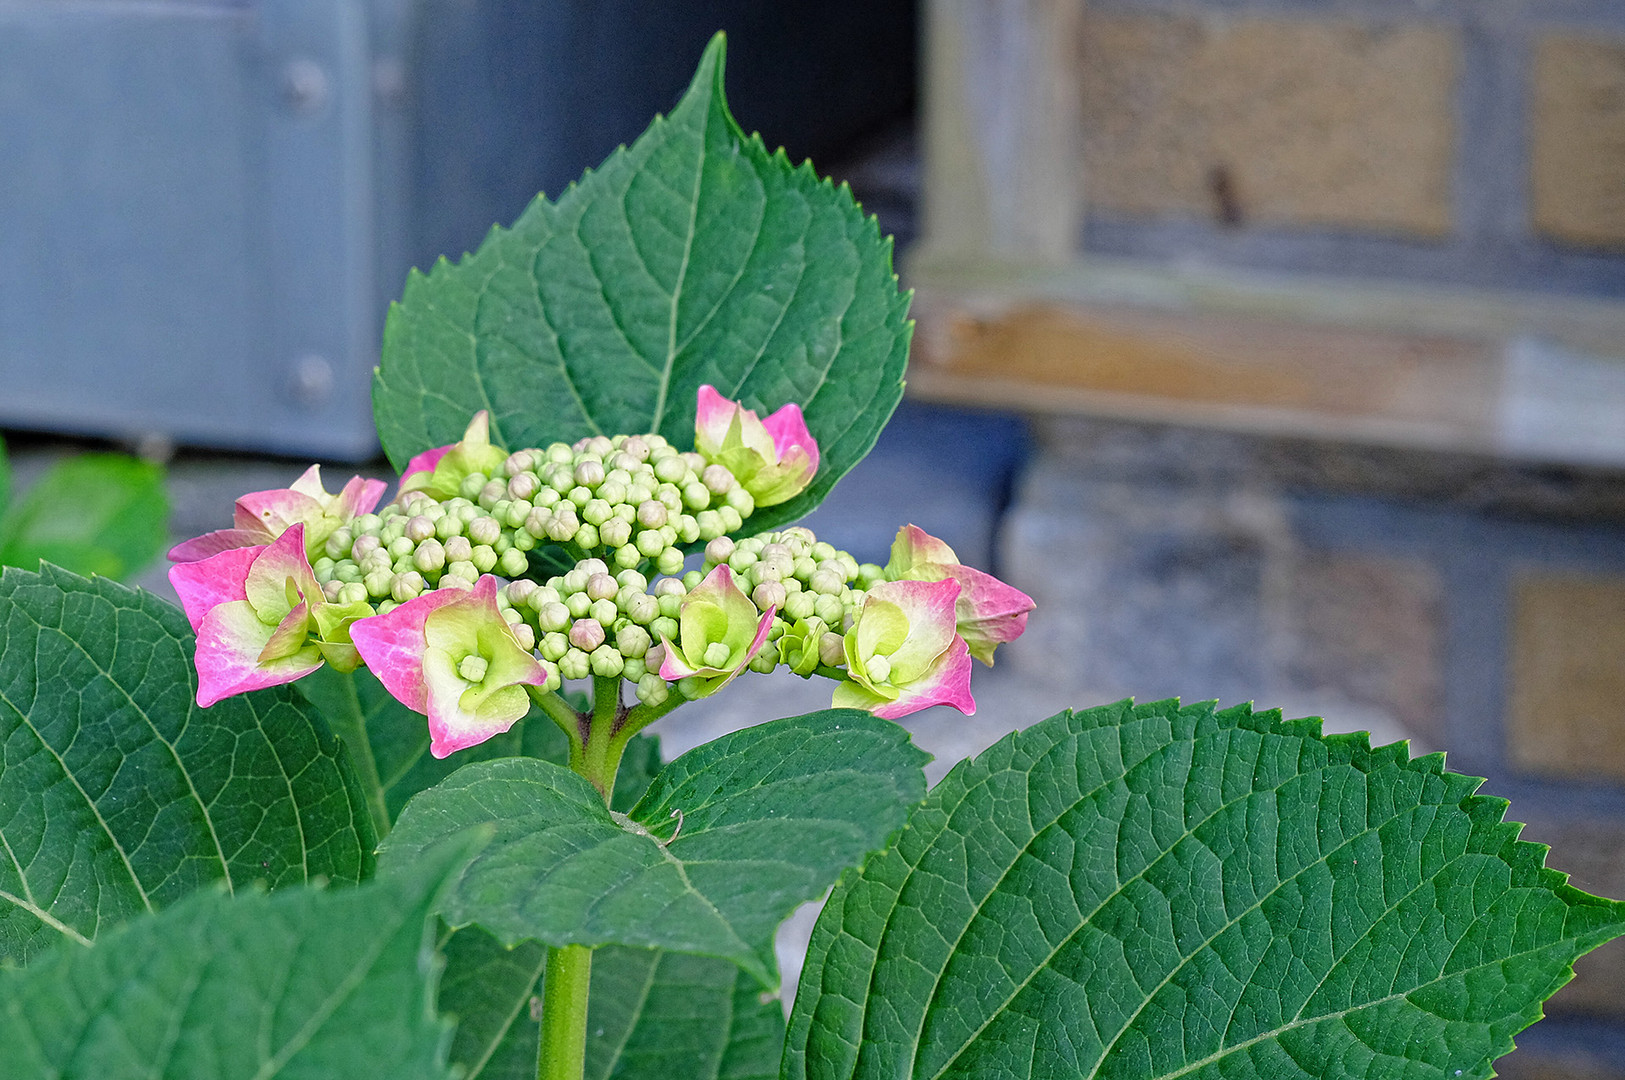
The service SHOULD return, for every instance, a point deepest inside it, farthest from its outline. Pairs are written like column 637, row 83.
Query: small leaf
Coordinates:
column 118, row 795
column 769, row 816
column 93, row 514
column 693, row 256
column 389, row 744
column 652, row 1015
column 303, row 983
column 1156, row 892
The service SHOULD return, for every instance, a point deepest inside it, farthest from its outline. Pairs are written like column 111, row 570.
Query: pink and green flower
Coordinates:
column 450, row 655
column 987, row 613
column 441, row 471
column 262, row 516
column 719, row 632
column 902, row 653
column 261, row 619
column 773, row 459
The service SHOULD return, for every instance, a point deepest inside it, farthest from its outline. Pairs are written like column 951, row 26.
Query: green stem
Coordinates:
column 561, row 1054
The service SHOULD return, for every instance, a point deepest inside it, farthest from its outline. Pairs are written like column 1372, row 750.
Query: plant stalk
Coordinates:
column 561, row 1053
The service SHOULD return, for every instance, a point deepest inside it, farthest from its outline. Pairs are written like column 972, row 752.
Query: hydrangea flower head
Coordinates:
column 987, row 613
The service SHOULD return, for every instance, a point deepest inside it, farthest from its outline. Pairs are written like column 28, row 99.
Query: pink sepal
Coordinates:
column 789, row 431
column 392, row 644
column 947, row 684
column 207, row 583
column 202, row 547
column 426, row 461
column 229, row 644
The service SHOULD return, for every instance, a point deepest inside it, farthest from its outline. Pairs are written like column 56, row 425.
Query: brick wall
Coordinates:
column 1458, row 141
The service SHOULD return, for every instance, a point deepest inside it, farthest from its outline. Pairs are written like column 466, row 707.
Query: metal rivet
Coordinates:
column 312, row 380
column 304, row 85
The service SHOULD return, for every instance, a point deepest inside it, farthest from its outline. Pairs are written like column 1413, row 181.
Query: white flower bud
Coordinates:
column 553, row 617
column 352, row 592
column 601, row 586
column 832, row 650
column 458, row 549
column 484, row 530
column 364, row 545
column 430, row 556
column 575, row 665
column 643, row 609
column 652, row 514
column 614, row 533
column 717, row 479
column 613, row 489
column 562, row 525
column 520, row 592
column 604, row 611
column 589, row 473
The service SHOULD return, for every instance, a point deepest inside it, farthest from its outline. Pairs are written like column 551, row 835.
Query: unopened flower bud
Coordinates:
column 601, row 586
column 553, row 617
column 574, row 664
column 800, row 605
column 719, row 550
column 615, row 533
column 523, row 485
column 463, row 569
column 589, row 473
column 513, row 563
column 484, row 530
column 554, row 646
column 832, row 650
column 473, row 667
column 579, row 604
column 650, row 543
column 604, row 611
column 586, row 634
column 606, row 662
column 596, row 512
column 519, row 592
column 330, row 589
column 484, row 558
column 652, row 514
column 632, row 579
column 664, row 627
column 628, row 555
column 352, row 592
column 652, row 689
column 525, row 635
column 769, row 594
column 717, row 479
column 643, row 609
column 364, row 545
column 406, row 586
column 632, row 640
column 458, row 549
column 430, row 556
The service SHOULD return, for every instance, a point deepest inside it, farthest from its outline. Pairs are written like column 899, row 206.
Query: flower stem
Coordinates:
column 561, row 1054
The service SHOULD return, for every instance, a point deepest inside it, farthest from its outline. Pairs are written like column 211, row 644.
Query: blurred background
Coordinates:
column 1276, row 347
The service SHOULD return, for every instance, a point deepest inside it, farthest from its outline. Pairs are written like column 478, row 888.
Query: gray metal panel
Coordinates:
column 186, row 211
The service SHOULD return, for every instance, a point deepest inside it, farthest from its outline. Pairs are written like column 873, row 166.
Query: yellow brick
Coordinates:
column 1577, row 140
column 1278, row 121
column 1566, row 711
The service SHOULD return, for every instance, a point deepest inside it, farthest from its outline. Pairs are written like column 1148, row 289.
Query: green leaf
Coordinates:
column 303, row 983
column 118, row 795
column 93, row 514
column 389, row 744
column 693, row 256
column 781, row 808
column 652, row 1015
column 1157, row 892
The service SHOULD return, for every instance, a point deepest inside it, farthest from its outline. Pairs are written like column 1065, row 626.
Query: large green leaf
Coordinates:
column 652, row 1015
column 693, row 256
column 119, row 795
column 768, row 817
column 93, row 514
column 305, row 983
column 389, row 744
column 1157, row 892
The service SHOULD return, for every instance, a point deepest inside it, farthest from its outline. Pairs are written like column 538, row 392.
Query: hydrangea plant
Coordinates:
column 377, row 801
